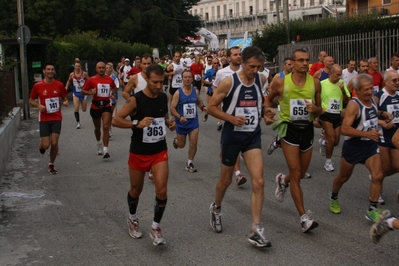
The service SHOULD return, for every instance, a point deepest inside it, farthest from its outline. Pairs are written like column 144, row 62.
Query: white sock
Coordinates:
column 105, row 149
column 133, row 216
column 154, row 225
column 323, row 143
column 328, row 160
column 100, row 142
column 189, row 161
column 238, row 172
column 390, row 221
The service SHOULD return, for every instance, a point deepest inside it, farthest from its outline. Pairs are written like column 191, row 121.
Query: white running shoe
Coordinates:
column 307, row 175
column 322, row 149
column 78, row 125
column 133, row 226
column 307, row 223
column 280, row 190
column 99, row 148
column 329, row 166
column 157, row 237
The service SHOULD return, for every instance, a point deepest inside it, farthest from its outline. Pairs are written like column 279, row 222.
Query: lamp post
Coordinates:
column 23, row 36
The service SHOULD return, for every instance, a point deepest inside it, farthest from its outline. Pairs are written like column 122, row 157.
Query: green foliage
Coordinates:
column 154, row 22
column 275, row 34
column 89, row 46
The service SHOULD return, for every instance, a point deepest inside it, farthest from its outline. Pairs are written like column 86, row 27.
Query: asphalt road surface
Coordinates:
column 81, row 219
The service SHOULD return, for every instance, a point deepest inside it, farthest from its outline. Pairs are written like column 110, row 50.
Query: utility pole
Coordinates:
column 278, row 11
column 23, row 37
column 286, row 19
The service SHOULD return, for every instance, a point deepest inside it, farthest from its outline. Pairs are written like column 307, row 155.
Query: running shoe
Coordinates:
column 133, row 227
column 216, row 219
column 258, row 239
column 307, row 175
column 99, row 148
column 150, row 176
column 322, row 149
column 280, row 190
column 334, row 206
column 373, row 215
column 240, row 179
column 381, row 201
column 307, row 223
column 190, row 167
column 205, row 118
column 329, row 166
column 78, row 125
column 381, row 227
column 157, row 237
column 272, row 147
column 51, row 169
column 219, row 126
column 106, row 155
column 174, row 143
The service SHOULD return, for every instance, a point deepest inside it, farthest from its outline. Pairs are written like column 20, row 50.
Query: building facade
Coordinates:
column 239, row 16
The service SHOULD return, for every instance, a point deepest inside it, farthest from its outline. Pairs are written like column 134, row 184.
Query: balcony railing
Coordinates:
column 384, row 10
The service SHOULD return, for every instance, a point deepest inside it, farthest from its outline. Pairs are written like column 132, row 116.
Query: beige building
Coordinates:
column 239, row 16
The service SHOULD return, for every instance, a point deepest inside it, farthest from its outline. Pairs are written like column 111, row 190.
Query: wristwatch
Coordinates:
column 135, row 123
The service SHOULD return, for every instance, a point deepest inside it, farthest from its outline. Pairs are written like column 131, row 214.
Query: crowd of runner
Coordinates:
column 361, row 104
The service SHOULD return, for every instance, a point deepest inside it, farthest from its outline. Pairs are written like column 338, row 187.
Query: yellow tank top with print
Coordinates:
column 292, row 103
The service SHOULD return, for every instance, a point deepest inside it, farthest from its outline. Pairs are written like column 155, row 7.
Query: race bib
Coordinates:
column 190, row 110
column 77, row 85
column 371, row 124
column 197, row 77
column 333, row 106
column 52, row 105
column 298, row 110
column 155, row 132
column 394, row 110
column 252, row 118
column 103, row 90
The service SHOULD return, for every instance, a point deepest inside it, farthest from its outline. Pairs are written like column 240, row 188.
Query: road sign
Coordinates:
column 23, row 34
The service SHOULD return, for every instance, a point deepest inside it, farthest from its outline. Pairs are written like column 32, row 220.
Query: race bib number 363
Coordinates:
column 155, row 132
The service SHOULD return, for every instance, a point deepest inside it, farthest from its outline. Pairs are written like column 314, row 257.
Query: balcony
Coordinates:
column 383, row 10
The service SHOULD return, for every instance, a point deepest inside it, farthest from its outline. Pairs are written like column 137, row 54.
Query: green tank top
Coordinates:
column 331, row 96
column 292, row 103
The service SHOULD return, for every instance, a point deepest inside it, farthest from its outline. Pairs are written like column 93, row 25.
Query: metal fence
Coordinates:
column 7, row 92
column 380, row 44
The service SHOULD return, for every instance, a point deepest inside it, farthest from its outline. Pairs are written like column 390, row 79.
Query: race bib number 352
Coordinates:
column 251, row 115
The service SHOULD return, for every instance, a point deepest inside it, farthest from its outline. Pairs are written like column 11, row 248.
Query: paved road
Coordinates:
column 81, row 220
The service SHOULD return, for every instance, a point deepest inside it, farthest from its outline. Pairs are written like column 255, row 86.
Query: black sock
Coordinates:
column 132, row 202
column 373, row 205
column 160, row 206
column 77, row 116
column 334, row 196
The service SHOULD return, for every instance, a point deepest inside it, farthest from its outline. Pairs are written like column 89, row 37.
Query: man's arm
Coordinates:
column 317, row 75
column 170, row 70
column 216, row 100
column 129, row 108
column 351, row 113
column 173, row 106
column 68, row 81
column 131, row 85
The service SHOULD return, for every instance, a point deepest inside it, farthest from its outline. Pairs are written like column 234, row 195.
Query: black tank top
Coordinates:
column 148, row 107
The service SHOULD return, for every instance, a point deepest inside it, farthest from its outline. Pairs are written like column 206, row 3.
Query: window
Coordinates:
column 218, row 11
column 212, row 12
column 311, row 2
column 386, row 2
column 302, row 3
column 237, row 9
column 250, row 10
column 243, row 8
column 206, row 16
column 231, row 12
column 271, row 7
